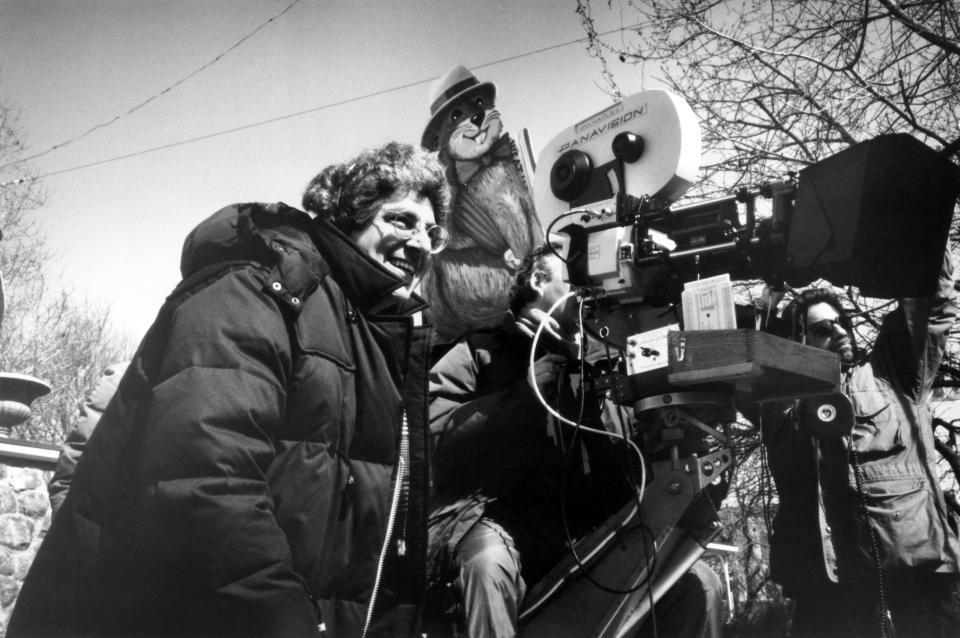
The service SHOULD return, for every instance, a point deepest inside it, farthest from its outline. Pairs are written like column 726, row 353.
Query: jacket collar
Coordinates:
column 365, row 282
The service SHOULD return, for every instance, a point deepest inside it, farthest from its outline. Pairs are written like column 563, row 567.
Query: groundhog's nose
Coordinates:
column 477, row 119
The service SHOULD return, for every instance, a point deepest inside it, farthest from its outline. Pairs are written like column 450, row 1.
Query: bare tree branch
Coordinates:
column 45, row 333
column 923, row 32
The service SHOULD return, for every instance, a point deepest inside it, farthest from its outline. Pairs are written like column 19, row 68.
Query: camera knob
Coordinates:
column 570, row 175
column 826, row 416
column 627, row 147
column 826, row 413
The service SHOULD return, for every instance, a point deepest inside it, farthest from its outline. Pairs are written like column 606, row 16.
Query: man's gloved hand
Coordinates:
column 546, row 370
column 766, row 304
column 552, row 337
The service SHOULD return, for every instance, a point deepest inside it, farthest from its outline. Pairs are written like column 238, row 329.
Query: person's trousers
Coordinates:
column 919, row 606
column 489, row 581
column 691, row 608
column 492, row 590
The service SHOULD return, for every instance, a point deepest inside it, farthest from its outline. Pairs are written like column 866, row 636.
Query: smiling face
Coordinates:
column 397, row 237
column 471, row 127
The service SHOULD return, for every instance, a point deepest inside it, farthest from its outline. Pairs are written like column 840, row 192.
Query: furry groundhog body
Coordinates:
column 492, row 224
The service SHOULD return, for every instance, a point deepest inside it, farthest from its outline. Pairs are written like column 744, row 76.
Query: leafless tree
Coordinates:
column 781, row 85
column 45, row 332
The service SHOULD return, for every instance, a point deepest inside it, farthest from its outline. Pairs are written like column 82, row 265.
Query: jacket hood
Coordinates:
column 271, row 233
column 229, row 234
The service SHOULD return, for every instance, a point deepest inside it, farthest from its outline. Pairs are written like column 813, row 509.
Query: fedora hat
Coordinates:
column 457, row 83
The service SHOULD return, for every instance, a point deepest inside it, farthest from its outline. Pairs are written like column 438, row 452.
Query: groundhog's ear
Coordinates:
column 511, row 260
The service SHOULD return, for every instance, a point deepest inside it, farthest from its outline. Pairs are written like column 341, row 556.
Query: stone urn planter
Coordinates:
column 17, row 392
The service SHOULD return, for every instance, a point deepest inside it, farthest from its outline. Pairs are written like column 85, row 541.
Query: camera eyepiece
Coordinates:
column 570, row 175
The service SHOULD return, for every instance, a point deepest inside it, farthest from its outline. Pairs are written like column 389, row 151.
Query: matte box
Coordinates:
column 876, row 216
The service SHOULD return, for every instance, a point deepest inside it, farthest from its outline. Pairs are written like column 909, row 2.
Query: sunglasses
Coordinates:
column 823, row 329
column 407, row 225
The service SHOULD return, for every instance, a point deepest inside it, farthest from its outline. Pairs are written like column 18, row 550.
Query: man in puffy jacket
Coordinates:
column 261, row 469
column 94, row 404
column 862, row 534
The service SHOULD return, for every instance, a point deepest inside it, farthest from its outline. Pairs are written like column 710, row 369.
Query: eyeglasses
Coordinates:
column 407, row 225
column 823, row 329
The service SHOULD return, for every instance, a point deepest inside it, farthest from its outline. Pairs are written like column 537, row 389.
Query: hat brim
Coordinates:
column 430, row 130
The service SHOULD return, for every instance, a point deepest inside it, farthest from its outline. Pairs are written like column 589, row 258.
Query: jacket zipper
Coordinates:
column 405, row 486
column 400, row 496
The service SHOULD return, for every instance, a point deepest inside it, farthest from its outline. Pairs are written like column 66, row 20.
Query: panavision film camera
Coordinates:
column 875, row 215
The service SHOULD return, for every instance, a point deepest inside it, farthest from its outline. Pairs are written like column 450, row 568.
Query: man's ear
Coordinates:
column 537, row 281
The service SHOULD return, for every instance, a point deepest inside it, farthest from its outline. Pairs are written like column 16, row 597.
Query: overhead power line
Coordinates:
column 159, row 94
column 315, row 109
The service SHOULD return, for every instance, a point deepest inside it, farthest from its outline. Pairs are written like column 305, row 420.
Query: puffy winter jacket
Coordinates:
column 262, row 467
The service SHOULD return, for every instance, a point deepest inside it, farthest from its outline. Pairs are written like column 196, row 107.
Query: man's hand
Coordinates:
column 546, row 370
column 552, row 337
column 530, row 319
column 771, row 297
column 766, row 305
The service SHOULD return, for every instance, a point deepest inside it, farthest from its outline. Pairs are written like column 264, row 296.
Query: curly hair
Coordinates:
column 792, row 323
column 348, row 195
column 535, row 262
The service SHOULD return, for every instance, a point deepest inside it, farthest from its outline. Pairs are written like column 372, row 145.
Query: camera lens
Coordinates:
column 570, row 175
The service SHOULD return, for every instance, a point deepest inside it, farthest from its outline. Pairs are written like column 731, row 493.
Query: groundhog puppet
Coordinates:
column 492, row 224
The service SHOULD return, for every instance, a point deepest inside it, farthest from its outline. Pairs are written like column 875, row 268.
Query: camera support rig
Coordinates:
column 629, row 256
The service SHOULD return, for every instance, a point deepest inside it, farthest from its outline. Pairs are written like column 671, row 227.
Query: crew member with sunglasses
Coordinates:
column 863, row 540
column 262, row 469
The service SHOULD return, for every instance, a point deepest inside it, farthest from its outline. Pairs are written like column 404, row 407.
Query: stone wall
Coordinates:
column 24, row 519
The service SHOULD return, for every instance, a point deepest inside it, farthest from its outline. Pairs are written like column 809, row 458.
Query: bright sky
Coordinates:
column 117, row 227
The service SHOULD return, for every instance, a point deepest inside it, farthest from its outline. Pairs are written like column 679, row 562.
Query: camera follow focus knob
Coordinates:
column 627, row 147
column 826, row 416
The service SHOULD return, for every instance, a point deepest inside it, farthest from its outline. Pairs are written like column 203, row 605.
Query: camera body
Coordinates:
column 608, row 183
column 875, row 215
column 593, row 176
